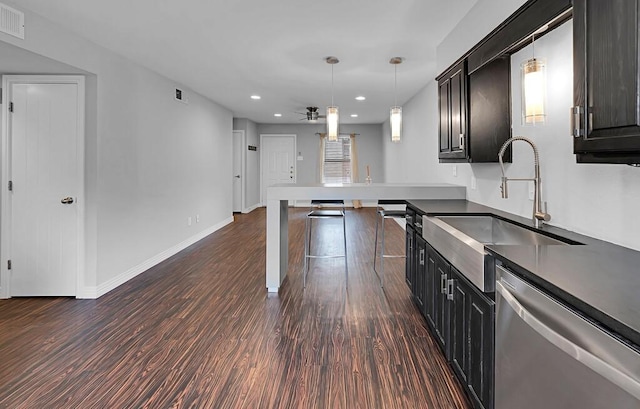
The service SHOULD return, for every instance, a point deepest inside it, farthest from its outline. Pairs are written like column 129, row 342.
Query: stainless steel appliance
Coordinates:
column 548, row 356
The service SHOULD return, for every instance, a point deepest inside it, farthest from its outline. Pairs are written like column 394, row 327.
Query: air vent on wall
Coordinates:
column 11, row 21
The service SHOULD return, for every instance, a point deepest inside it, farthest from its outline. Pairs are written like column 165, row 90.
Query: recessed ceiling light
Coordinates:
column 360, row 98
column 278, row 115
column 255, row 96
column 354, row 115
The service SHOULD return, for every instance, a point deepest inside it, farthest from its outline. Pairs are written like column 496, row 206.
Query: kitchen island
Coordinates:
column 278, row 197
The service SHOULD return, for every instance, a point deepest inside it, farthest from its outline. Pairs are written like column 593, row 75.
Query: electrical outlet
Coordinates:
column 197, row 218
column 532, row 189
column 473, row 182
column 455, row 171
column 189, row 221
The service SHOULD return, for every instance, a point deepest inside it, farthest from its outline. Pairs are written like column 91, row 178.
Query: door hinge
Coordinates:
column 11, row 107
column 8, row 264
column 10, row 186
column 576, row 121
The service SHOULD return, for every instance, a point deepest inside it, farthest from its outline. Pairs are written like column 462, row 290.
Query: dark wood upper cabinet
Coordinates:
column 475, row 112
column 452, row 95
column 490, row 111
column 606, row 115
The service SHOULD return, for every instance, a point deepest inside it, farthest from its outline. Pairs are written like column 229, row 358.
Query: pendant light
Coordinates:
column 533, row 88
column 395, row 117
column 332, row 111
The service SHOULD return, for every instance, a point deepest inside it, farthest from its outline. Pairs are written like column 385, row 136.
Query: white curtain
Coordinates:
column 321, row 149
column 355, row 177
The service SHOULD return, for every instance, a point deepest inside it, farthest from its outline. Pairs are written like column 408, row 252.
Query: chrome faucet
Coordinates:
column 538, row 215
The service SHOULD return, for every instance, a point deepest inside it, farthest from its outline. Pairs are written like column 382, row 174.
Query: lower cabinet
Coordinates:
column 472, row 338
column 460, row 317
column 421, row 272
column 410, row 266
column 435, row 294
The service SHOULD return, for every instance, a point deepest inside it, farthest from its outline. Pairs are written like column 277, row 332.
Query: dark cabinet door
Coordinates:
column 459, row 313
column 452, row 93
column 420, row 277
column 481, row 312
column 430, row 287
column 411, row 256
column 606, row 115
column 437, row 292
column 445, row 121
column 490, row 111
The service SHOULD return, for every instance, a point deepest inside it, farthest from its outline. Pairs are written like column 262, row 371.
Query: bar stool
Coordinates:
column 315, row 212
column 382, row 214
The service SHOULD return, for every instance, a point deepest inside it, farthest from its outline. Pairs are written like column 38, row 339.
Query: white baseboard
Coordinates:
column 87, row 293
column 102, row 289
column 251, row 208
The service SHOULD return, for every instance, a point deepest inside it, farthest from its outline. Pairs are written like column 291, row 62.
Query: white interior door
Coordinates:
column 238, row 174
column 278, row 161
column 43, row 140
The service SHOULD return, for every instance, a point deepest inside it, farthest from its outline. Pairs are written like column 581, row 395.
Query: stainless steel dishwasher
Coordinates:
column 548, row 356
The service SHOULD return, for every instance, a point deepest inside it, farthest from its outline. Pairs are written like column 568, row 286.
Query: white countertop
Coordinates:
column 278, row 197
column 349, row 191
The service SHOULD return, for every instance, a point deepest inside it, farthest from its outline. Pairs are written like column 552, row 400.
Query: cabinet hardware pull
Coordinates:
column 576, row 121
column 443, row 283
column 450, row 286
column 422, row 257
column 461, row 141
column 419, row 225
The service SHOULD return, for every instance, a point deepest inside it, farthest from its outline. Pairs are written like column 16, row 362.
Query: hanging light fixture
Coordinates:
column 395, row 118
column 332, row 111
column 533, row 88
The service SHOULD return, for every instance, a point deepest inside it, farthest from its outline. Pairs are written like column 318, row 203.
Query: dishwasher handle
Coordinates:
column 606, row 370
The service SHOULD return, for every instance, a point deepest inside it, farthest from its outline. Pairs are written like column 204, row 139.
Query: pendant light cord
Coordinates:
column 332, row 85
column 395, row 82
column 533, row 45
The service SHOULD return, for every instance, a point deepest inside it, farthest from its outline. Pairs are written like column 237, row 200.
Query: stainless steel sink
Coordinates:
column 461, row 240
column 489, row 230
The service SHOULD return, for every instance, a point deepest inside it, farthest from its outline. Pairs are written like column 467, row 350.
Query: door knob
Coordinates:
column 67, row 200
column 237, row 176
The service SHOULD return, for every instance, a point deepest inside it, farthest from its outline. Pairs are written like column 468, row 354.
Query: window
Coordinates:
column 337, row 161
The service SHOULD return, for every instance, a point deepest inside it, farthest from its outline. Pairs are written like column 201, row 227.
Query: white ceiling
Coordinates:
column 229, row 50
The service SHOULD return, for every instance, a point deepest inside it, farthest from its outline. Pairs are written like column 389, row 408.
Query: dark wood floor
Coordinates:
column 200, row 331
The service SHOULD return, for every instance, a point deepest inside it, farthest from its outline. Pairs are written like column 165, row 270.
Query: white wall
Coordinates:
column 252, row 161
column 412, row 159
column 596, row 200
column 369, row 143
column 151, row 161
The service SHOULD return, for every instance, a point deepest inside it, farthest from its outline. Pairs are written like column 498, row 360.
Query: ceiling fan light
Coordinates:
column 395, row 120
column 332, row 123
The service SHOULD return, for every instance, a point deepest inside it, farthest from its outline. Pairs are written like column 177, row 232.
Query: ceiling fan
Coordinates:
column 312, row 115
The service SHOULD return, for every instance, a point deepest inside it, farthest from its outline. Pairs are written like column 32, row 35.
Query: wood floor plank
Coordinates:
column 200, row 331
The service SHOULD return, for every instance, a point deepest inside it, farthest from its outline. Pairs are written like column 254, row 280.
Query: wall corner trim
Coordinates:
column 122, row 278
column 251, row 208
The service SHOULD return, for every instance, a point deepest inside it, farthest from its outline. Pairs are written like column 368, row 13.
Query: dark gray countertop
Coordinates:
column 599, row 279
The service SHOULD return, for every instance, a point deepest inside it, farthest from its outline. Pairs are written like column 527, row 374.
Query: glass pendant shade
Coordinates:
column 332, row 123
column 533, row 91
column 396, row 123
